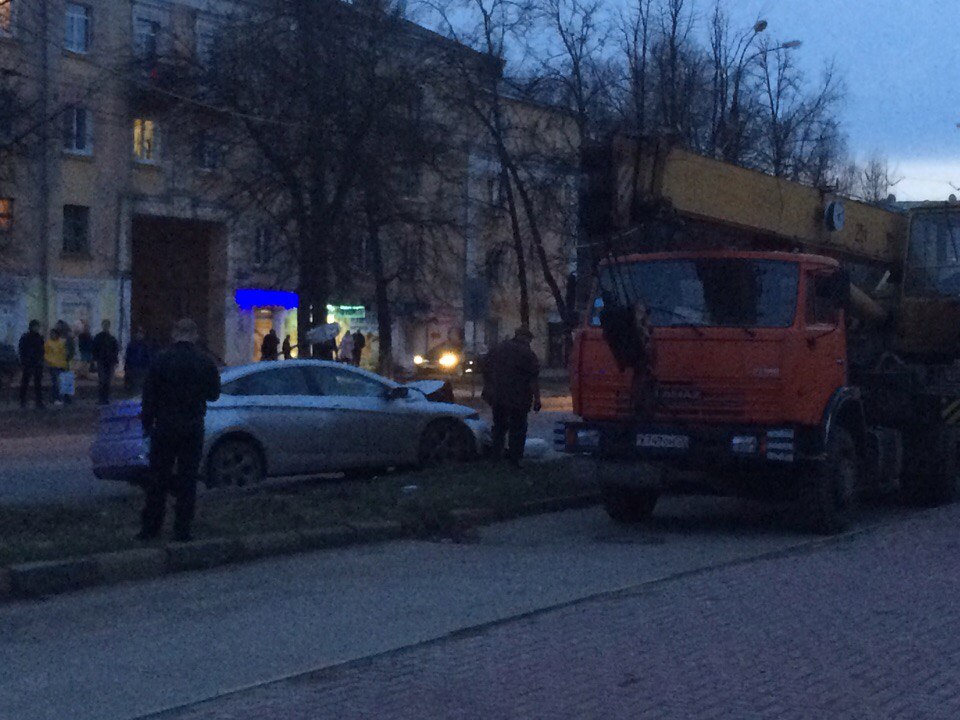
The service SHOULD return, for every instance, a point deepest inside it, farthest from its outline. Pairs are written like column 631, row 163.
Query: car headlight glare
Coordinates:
column 449, row 360
column 418, row 360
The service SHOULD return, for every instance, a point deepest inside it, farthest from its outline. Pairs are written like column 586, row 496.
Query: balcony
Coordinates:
column 159, row 82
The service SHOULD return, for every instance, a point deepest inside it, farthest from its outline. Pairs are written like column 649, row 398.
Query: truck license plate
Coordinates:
column 669, row 442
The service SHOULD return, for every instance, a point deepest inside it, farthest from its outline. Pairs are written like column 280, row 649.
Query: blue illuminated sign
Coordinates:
column 249, row 298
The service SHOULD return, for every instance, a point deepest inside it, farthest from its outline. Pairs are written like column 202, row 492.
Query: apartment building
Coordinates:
column 110, row 205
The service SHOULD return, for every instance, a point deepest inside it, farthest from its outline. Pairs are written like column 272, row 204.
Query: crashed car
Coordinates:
column 302, row 417
column 445, row 361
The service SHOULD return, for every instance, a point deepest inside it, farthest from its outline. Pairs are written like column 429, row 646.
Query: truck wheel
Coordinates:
column 628, row 505
column 935, row 481
column 828, row 493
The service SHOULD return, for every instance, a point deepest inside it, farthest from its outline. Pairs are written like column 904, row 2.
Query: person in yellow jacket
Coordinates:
column 55, row 358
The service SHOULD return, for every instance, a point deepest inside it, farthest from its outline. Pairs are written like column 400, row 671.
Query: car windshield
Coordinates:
column 933, row 260
column 717, row 292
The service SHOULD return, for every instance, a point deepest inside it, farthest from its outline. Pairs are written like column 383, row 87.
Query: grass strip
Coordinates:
column 421, row 500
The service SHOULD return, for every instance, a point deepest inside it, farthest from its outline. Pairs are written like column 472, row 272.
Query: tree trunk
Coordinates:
column 381, row 302
column 517, row 247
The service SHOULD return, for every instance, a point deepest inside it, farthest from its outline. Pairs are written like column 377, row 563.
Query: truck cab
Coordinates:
column 748, row 369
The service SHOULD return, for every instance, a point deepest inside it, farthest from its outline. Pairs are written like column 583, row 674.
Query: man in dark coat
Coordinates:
column 106, row 353
column 180, row 383
column 31, row 363
column 136, row 361
column 359, row 343
column 511, row 379
column 270, row 347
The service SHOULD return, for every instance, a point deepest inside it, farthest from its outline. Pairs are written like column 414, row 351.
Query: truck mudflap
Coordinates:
column 684, row 445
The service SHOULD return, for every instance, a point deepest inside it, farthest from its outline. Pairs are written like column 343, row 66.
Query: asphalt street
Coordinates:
column 125, row 651
column 861, row 628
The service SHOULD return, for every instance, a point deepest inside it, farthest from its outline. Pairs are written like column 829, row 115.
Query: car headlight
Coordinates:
column 418, row 360
column 448, row 360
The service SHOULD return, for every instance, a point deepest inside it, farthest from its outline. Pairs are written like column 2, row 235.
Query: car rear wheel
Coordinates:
column 235, row 461
column 444, row 442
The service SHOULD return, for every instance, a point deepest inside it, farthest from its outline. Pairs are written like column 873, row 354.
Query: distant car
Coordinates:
column 445, row 361
column 9, row 364
column 301, row 417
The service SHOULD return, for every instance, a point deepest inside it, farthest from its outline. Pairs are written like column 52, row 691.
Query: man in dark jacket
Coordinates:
column 31, row 363
column 511, row 379
column 136, row 361
column 270, row 347
column 106, row 353
column 180, row 383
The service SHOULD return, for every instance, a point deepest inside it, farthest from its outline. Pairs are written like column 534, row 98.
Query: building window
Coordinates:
column 78, row 130
column 263, row 245
column 76, row 230
column 146, row 37
column 206, row 43
column 6, row 17
column 209, row 151
column 7, row 103
column 6, row 215
column 146, row 141
column 77, row 35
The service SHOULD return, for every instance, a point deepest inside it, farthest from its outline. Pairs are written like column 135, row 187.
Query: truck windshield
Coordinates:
column 708, row 292
column 933, row 257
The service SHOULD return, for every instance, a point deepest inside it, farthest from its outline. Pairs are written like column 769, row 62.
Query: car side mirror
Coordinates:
column 400, row 392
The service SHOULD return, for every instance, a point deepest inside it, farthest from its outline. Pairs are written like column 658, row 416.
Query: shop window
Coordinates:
column 6, row 215
column 146, row 141
column 76, row 230
column 77, row 28
column 78, row 130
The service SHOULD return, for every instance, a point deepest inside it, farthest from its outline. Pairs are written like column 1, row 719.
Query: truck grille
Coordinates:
column 715, row 404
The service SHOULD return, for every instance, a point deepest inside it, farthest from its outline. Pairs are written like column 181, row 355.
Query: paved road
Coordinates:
column 863, row 628
column 51, row 469
column 123, row 651
column 56, row 468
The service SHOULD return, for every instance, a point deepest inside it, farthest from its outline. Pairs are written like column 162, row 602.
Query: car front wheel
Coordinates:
column 444, row 442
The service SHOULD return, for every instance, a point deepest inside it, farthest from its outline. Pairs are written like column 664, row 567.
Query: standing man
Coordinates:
column 136, row 361
column 179, row 385
column 359, row 343
column 85, row 348
column 31, row 363
column 106, row 353
column 511, row 378
column 287, row 348
column 270, row 347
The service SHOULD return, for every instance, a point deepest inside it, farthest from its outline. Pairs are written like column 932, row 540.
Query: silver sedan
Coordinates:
column 301, row 417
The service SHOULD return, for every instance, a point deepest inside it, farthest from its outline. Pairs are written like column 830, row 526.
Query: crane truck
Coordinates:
column 753, row 336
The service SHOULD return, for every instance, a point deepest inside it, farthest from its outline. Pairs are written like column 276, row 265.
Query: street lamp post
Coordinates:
column 731, row 151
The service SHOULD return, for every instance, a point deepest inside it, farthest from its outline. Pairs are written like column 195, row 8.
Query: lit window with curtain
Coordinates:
column 146, row 141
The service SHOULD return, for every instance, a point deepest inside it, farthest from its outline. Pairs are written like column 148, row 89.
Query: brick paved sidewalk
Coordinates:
column 868, row 627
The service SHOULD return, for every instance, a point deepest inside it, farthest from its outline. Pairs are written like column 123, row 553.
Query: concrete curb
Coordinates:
column 39, row 579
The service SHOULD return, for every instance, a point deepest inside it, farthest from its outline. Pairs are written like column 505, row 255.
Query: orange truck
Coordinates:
column 772, row 339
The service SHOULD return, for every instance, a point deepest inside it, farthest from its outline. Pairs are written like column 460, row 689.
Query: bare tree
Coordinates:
column 877, row 179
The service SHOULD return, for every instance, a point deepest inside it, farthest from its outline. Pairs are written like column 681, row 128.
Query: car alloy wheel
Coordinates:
column 445, row 442
column 235, row 462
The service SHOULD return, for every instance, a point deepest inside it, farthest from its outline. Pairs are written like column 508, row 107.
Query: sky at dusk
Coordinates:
column 900, row 60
